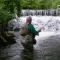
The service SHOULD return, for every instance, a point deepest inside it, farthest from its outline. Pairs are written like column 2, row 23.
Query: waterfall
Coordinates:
column 49, row 12
column 47, row 23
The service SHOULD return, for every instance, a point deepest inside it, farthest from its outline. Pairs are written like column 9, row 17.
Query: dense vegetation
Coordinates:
column 39, row 4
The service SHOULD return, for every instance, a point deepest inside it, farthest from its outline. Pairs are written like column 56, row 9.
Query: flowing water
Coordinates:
column 46, row 49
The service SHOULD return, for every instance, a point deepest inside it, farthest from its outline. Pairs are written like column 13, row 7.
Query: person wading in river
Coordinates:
column 29, row 32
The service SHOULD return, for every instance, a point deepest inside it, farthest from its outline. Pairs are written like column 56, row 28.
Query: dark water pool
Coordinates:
column 49, row 49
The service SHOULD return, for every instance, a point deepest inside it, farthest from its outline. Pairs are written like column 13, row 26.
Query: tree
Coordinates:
column 12, row 6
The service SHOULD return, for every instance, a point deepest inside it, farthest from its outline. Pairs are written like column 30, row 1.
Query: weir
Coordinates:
column 48, row 12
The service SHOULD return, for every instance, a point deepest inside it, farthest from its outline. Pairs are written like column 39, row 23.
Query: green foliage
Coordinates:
column 12, row 6
column 8, row 9
column 39, row 4
column 4, row 16
column 9, row 5
column 33, row 4
column 55, row 4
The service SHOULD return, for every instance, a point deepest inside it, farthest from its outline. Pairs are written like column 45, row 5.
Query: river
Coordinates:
column 45, row 49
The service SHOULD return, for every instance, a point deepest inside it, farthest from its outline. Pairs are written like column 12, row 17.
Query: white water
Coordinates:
column 43, row 22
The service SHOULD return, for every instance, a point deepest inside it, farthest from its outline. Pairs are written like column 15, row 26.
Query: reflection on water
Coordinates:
column 27, row 52
column 27, row 55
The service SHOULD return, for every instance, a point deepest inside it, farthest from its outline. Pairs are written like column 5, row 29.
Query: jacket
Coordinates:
column 32, row 30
